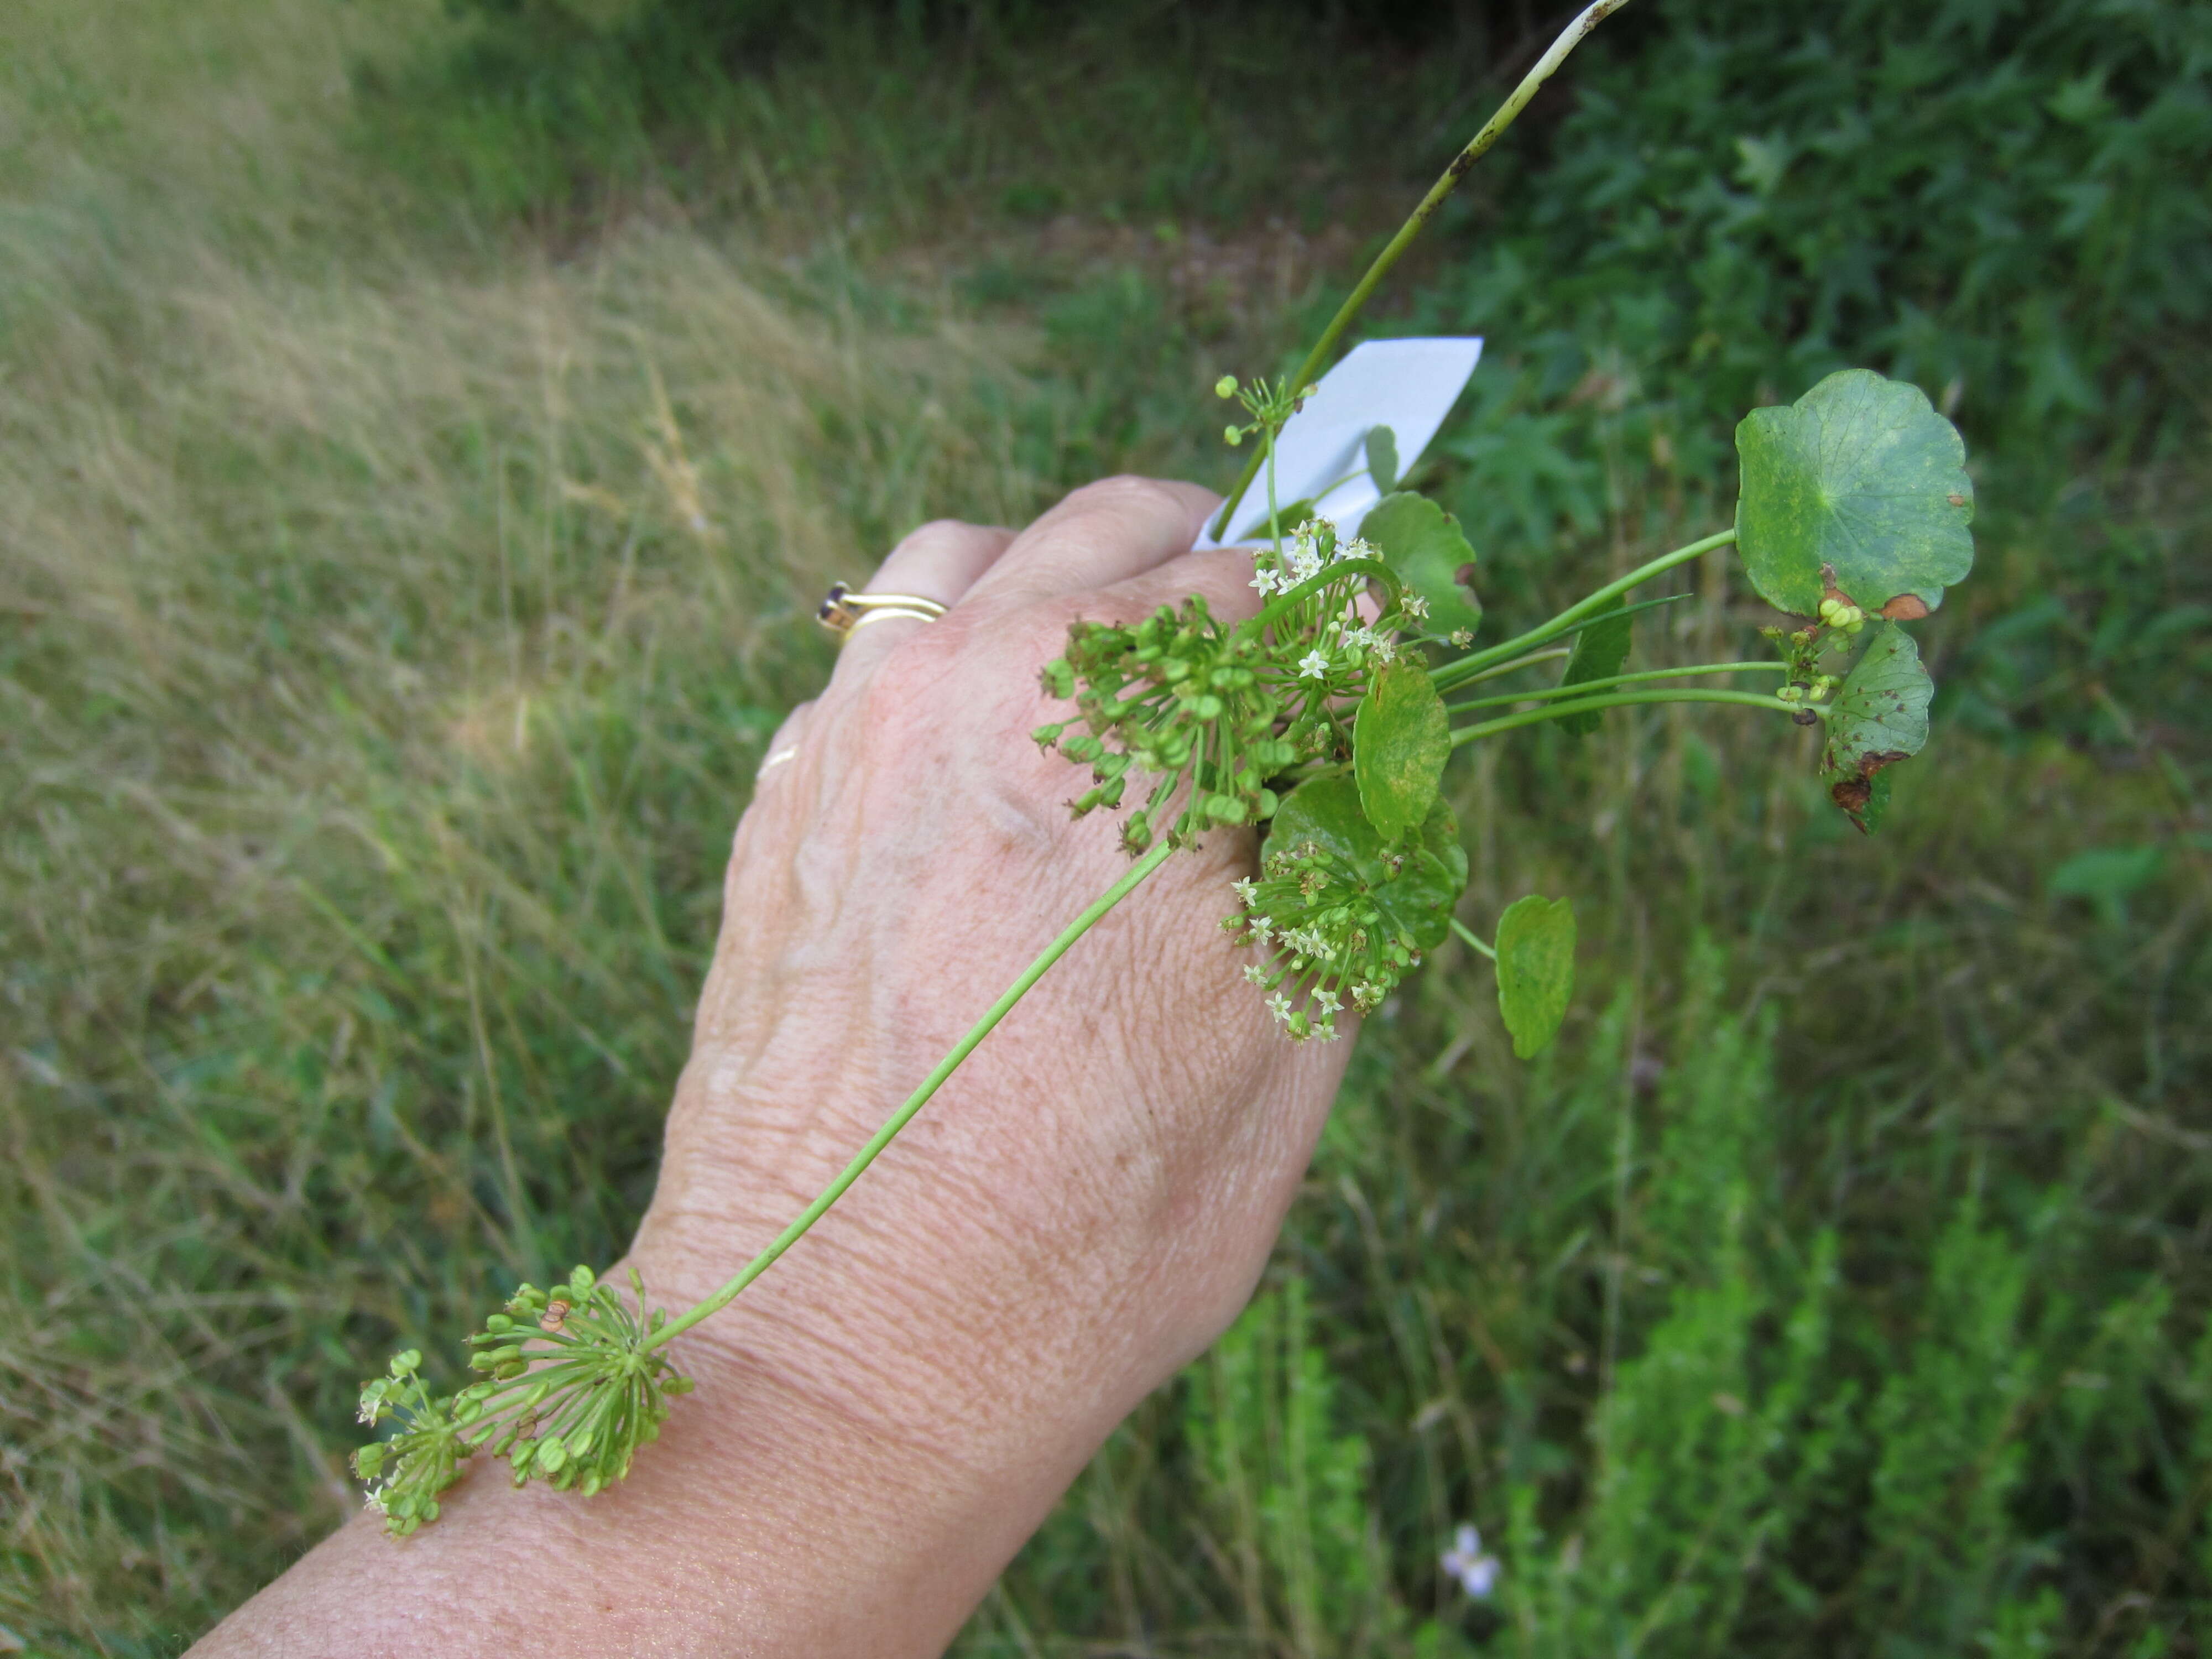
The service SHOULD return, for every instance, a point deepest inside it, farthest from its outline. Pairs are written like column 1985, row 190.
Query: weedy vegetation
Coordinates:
column 411, row 494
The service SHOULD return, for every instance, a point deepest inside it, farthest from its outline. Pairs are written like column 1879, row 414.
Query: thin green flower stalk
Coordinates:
column 1571, row 37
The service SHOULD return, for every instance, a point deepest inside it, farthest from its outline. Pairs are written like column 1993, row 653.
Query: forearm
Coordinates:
column 765, row 1522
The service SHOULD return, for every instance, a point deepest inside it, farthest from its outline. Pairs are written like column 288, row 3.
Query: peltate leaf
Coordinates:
column 1400, row 740
column 1858, row 489
column 1422, row 543
column 1414, row 886
column 1383, row 459
column 1535, row 969
column 1600, row 649
column 1881, row 718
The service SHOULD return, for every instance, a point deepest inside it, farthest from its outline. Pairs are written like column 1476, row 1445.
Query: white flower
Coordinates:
column 1255, row 973
column 1313, row 667
column 1326, row 1001
column 1357, row 548
column 1247, row 891
column 1266, row 580
column 1477, row 1573
column 1279, row 1006
column 1414, row 606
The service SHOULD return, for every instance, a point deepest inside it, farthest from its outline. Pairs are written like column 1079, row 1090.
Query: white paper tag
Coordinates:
column 1408, row 386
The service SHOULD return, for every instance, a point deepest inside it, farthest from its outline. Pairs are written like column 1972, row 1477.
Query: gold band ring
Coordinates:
column 843, row 610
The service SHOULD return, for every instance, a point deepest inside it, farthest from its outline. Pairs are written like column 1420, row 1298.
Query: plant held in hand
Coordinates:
column 1329, row 718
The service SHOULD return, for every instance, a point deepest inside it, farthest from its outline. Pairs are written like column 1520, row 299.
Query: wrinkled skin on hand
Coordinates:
column 1091, row 1199
column 884, row 1418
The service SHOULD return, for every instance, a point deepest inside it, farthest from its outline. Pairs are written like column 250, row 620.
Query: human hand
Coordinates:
column 1090, row 1200
column 884, row 1418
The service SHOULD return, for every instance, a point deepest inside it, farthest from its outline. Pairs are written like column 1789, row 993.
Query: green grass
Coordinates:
column 406, row 524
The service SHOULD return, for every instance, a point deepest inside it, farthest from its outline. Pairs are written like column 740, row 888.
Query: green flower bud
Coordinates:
column 582, row 1277
column 369, row 1460
column 1231, row 436
column 1225, row 387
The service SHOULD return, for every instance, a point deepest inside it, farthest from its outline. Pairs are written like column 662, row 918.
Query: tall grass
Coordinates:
column 394, row 599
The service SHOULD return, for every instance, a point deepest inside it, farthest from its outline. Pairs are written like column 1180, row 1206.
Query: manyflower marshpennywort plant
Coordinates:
column 1326, row 721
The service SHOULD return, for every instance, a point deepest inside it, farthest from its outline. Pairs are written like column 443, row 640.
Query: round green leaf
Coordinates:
column 1400, row 740
column 1422, row 543
column 1535, row 969
column 1414, row 886
column 1860, row 487
column 1881, row 718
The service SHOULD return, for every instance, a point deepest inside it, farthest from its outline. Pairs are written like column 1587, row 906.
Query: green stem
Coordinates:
column 930, row 1085
column 1466, row 669
column 1569, row 39
column 1518, row 663
column 1467, row 936
column 1583, row 688
column 1622, row 699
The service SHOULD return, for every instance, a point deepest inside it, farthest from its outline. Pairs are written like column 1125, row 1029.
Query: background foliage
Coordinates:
column 419, row 436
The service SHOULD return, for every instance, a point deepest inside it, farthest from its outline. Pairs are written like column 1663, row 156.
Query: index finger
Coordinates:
column 1101, row 534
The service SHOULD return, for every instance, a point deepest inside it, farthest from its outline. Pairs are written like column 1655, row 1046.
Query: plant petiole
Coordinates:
column 1468, row 937
column 1518, row 663
column 1584, row 688
column 813, row 1212
column 1624, row 699
column 1466, row 669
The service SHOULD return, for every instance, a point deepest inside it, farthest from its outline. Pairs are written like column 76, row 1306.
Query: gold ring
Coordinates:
column 843, row 610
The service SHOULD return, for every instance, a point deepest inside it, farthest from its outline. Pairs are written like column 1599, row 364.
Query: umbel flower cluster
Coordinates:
column 573, row 1386
column 1341, row 915
column 1217, row 714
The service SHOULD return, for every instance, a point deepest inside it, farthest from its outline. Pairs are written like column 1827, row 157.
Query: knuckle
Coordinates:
column 1127, row 492
column 937, row 533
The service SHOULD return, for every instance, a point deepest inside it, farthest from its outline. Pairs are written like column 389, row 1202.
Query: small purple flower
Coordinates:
column 1477, row 1573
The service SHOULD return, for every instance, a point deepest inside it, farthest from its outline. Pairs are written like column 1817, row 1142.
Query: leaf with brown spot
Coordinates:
column 1880, row 718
